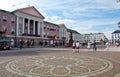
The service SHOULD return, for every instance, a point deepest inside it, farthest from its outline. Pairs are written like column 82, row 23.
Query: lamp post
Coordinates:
column 118, row 24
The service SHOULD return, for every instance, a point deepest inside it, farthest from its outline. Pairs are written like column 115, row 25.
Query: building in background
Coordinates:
column 7, row 25
column 29, row 25
column 73, row 36
column 116, row 36
column 100, row 38
column 62, row 34
column 51, row 33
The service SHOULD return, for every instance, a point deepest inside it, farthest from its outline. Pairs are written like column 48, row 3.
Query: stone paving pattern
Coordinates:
column 62, row 64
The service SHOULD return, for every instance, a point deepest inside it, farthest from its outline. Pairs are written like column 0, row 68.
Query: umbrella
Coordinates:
column 5, row 41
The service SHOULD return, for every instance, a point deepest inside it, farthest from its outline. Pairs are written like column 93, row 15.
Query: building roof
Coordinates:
column 73, row 31
column 4, row 11
column 116, row 31
column 62, row 25
column 31, row 10
column 50, row 23
column 94, row 33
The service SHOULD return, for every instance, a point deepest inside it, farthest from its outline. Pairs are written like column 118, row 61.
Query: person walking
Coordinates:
column 21, row 44
column 89, row 46
column 107, row 45
column 94, row 46
column 73, row 46
column 77, row 46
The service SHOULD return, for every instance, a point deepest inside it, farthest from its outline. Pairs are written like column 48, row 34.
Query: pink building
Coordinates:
column 29, row 25
column 7, row 25
column 51, row 33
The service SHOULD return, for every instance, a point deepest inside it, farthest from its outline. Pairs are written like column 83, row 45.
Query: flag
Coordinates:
column 55, row 37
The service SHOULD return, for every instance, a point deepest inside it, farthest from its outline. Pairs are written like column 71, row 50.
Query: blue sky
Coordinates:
column 84, row 16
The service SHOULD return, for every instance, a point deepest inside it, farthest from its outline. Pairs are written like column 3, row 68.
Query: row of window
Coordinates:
column 116, row 36
column 5, row 18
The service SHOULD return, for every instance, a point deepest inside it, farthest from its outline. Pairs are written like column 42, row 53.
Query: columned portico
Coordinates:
column 29, row 25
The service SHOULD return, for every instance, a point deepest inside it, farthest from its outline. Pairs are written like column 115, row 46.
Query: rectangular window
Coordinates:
column 115, row 35
column 20, row 21
column 4, row 18
column 20, row 30
column 12, row 30
column 4, row 27
column 12, row 19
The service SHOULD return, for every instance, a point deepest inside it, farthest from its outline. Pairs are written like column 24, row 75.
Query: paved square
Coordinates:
column 61, row 64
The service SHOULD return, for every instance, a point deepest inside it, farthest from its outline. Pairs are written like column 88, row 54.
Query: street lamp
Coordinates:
column 119, row 24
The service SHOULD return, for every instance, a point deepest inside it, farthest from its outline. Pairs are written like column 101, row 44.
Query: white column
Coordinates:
column 33, row 27
column 38, row 28
column 23, row 25
column 28, row 26
column 42, row 26
column 17, row 27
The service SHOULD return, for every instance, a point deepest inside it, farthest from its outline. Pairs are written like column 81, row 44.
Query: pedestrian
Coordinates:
column 73, row 46
column 107, row 45
column 94, row 46
column 117, row 44
column 89, row 46
column 21, row 44
column 77, row 46
column 28, row 43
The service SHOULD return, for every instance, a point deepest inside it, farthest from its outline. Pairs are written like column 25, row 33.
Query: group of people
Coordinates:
column 77, row 45
column 92, row 45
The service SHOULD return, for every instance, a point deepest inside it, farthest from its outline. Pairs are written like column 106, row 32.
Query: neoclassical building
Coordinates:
column 28, row 25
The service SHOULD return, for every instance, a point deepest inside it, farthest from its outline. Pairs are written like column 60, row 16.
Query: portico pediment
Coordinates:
column 30, row 11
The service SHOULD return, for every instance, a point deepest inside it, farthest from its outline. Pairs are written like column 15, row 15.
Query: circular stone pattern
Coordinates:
column 54, row 66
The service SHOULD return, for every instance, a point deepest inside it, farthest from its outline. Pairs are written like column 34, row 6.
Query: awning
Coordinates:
column 5, row 41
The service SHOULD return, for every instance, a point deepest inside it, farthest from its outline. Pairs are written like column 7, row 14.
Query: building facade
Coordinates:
column 7, row 25
column 75, row 35
column 116, row 36
column 98, row 37
column 62, row 34
column 28, row 25
column 51, row 33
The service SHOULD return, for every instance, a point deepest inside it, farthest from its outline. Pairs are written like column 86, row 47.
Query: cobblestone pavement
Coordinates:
column 60, row 63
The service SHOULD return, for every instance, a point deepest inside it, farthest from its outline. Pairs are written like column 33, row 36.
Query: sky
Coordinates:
column 84, row 16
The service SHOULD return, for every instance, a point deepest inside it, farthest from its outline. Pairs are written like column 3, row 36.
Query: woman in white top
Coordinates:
column 77, row 46
column 73, row 46
column 89, row 46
